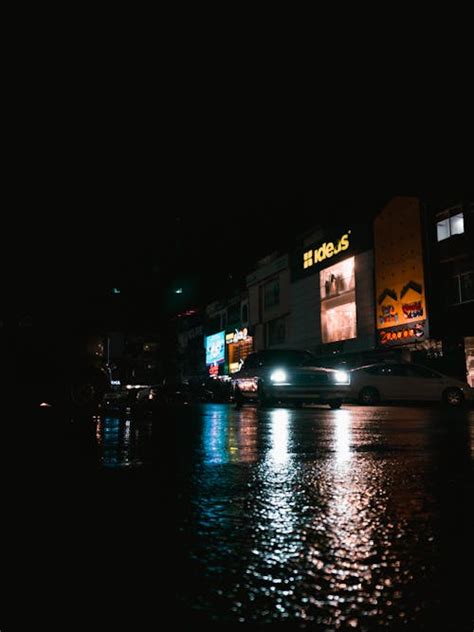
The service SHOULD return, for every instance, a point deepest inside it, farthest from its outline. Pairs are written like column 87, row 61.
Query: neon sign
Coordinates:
column 326, row 251
column 215, row 348
column 237, row 336
column 404, row 333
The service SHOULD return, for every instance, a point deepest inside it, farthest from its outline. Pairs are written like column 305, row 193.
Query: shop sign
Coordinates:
column 403, row 334
column 214, row 370
column 326, row 251
column 237, row 336
column 215, row 348
column 399, row 273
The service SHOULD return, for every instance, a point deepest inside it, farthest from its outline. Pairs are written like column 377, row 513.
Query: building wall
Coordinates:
column 266, row 319
column 365, row 300
column 305, row 317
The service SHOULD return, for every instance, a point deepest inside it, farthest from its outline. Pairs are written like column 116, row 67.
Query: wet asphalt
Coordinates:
column 354, row 519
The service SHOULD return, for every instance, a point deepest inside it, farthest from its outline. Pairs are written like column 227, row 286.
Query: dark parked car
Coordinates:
column 290, row 375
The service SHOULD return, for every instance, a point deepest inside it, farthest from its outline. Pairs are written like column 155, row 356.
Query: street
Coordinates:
column 358, row 518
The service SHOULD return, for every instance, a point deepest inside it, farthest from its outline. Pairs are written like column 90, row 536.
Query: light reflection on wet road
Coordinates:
column 124, row 441
column 358, row 518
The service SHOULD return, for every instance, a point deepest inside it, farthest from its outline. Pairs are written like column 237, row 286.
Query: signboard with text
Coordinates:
column 401, row 316
column 215, row 348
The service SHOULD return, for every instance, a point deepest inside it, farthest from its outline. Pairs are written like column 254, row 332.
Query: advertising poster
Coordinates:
column 215, row 348
column 400, row 287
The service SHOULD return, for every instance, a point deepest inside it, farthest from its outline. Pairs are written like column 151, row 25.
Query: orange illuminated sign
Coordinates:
column 399, row 273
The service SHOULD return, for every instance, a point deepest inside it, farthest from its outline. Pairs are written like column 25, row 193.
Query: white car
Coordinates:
column 288, row 375
column 396, row 382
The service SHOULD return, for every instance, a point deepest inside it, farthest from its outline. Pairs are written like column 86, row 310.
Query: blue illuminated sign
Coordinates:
column 215, row 348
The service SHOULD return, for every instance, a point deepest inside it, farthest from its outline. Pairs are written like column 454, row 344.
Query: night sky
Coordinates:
column 78, row 231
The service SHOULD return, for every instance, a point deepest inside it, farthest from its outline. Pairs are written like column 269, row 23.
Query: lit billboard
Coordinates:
column 338, row 302
column 215, row 348
column 399, row 274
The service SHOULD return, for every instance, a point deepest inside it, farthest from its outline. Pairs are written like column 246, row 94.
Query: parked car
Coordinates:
column 406, row 382
column 288, row 375
column 133, row 398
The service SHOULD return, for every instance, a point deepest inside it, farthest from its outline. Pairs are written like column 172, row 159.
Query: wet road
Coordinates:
column 359, row 518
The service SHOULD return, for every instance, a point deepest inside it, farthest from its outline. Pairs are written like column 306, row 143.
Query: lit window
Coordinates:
column 456, row 224
column 338, row 302
column 451, row 225
column 443, row 229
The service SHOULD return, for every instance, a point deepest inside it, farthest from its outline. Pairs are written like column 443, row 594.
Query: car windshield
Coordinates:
column 288, row 358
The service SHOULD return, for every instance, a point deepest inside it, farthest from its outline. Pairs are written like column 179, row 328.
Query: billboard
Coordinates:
column 399, row 274
column 215, row 348
column 338, row 302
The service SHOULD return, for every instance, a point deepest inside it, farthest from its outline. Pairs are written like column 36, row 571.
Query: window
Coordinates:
column 338, row 302
column 271, row 294
column 421, row 371
column 466, row 282
column 461, row 288
column 276, row 332
column 443, row 229
column 245, row 313
column 451, row 225
column 387, row 370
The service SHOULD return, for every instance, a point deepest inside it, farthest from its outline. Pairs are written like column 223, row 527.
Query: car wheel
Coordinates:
column 335, row 404
column 453, row 397
column 369, row 396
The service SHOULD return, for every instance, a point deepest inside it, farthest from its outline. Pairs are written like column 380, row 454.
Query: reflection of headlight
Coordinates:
column 342, row 377
column 278, row 376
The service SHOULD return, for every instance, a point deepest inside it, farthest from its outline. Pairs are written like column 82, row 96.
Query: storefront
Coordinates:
column 332, row 297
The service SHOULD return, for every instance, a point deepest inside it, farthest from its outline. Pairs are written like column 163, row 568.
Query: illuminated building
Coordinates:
column 227, row 335
column 331, row 294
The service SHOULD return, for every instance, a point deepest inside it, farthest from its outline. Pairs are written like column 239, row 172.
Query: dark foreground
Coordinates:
column 77, row 524
column 356, row 519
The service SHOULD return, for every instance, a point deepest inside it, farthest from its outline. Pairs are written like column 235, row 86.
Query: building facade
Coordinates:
column 331, row 293
column 228, row 337
column 449, row 245
column 269, row 302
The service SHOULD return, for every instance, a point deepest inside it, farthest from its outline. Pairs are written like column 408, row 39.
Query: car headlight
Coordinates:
column 342, row 377
column 278, row 376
